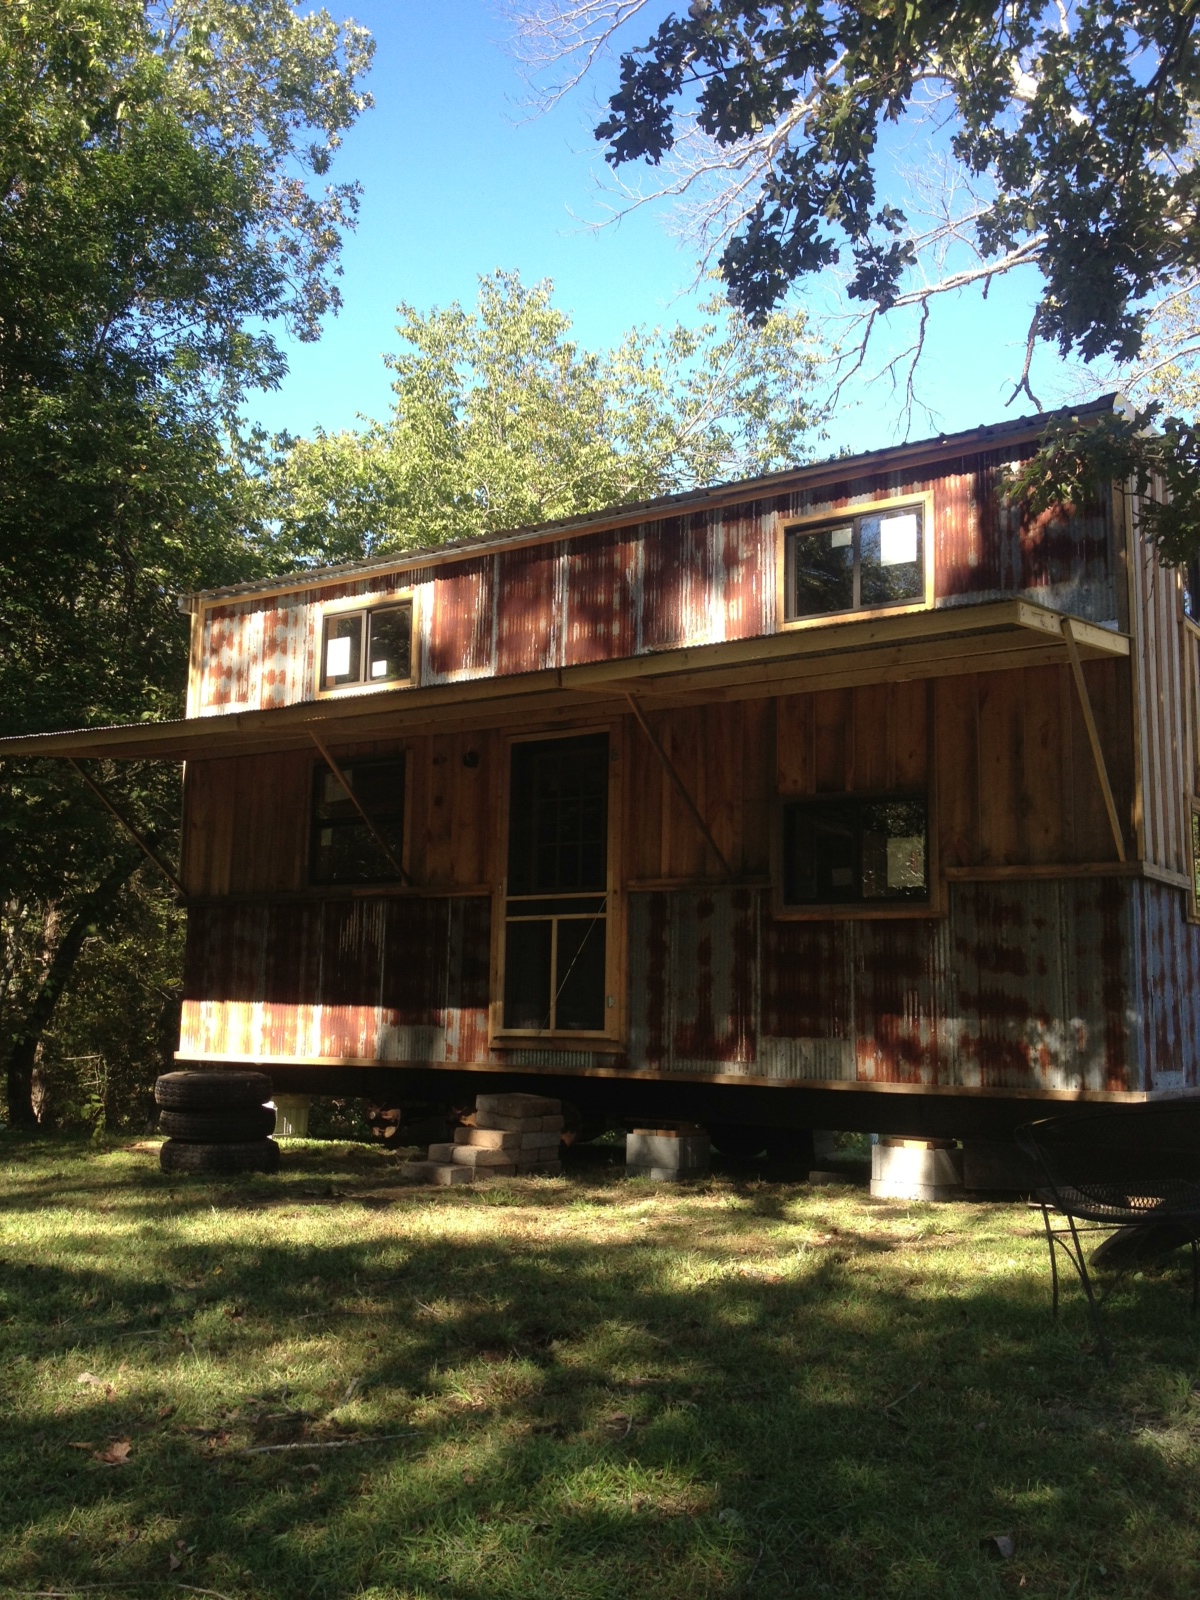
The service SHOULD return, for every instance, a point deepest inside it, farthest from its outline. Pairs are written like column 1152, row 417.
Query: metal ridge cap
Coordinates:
column 637, row 510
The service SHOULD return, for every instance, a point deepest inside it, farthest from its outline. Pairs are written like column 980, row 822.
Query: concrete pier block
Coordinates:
column 916, row 1169
column 666, row 1155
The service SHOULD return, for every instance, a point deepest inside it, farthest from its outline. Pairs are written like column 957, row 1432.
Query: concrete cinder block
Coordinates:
column 474, row 1155
column 497, row 1169
column 488, row 1138
column 494, row 1121
column 667, row 1156
column 439, row 1172
column 916, row 1169
column 551, row 1124
column 518, row 1105
column 666, row 1174
column 540, row 1141
column 441, row 1152
column 687, row 1154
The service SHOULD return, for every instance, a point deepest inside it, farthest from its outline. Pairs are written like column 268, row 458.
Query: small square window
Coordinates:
column 849, row 851
column 368, row 646
column 872, row 559
column 344, row 850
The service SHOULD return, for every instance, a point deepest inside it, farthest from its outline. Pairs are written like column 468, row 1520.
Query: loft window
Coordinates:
column 343, row 848
column 368, row 646
column 555, row 913
column 872, row 559
column 851, row 851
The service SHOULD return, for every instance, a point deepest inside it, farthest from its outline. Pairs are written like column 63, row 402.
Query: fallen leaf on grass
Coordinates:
column 81, row 1444
column 116, row 1455
column 173, row 1562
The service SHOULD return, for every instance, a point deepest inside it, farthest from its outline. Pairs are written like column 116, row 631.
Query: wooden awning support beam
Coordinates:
column 142, row 843
column 358, row 806
column 1089, row 722
column 680, row 787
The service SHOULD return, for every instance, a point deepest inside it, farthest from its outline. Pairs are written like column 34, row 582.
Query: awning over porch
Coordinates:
column 990, row 637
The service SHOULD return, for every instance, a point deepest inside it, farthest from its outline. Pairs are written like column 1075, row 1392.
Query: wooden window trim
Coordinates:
column 325, row 609
column 612, row 1038
column 1193, row 900
column 860, row 910
column 858, row 508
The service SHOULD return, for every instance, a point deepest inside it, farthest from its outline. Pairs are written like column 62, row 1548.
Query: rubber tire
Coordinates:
column 222, row 1160
column 218, row 1127
column 211, row 1091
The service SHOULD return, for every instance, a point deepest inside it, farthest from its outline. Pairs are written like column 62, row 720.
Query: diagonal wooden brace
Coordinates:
column 142, row 843
column 1089, row 722
column 669, row 769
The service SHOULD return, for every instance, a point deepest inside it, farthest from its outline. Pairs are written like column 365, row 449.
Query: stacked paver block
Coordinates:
column 512, row 1135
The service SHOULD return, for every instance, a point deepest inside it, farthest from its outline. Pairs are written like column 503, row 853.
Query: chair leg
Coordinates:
column 1050, row 1240
column 1080, row 1260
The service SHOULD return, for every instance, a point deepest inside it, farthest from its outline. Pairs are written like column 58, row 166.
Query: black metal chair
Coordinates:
column 1133, row 1167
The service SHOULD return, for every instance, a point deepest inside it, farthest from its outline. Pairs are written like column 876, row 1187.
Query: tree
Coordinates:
column 162, row 210
column 1068, row 148
column 500, row 419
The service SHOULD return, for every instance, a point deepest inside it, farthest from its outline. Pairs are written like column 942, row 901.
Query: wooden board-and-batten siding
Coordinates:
column 1019, row 985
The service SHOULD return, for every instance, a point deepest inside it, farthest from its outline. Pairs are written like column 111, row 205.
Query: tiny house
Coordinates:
column 853, row 796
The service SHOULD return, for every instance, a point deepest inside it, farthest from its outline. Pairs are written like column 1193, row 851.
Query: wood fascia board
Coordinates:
column 927, row 643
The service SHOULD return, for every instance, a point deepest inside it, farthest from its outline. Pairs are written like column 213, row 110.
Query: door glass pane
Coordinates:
column 579, row 980
column 389, row 647
column 892, row 566
column 824, row 571
column 527, row 956
column 558, row 816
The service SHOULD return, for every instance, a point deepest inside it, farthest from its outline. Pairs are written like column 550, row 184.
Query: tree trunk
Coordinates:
column 23, row 1054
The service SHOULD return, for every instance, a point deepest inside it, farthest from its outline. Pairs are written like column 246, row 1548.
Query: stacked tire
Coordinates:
column 216, row 1122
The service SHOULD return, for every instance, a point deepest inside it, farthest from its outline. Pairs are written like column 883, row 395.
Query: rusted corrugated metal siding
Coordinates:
column 401, row 979
column 1168, row 971
column 1065, row 984
column 697, row 578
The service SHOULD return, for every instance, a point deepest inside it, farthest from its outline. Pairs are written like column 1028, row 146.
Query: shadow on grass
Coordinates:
column 581, row 1415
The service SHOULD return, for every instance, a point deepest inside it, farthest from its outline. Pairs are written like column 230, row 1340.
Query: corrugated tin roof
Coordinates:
column 689, row 499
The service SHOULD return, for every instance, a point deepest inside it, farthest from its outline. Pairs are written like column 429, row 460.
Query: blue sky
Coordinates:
column 458, row 181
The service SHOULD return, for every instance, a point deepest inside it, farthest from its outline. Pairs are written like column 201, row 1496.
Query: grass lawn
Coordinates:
column 577, row 1388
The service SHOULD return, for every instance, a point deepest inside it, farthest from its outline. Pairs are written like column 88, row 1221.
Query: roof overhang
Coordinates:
column 989, row 637
column 1016, row 434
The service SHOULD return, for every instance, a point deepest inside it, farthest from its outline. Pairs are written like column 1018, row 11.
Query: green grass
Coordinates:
column 599, row 1388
